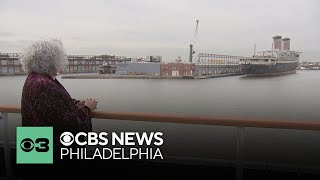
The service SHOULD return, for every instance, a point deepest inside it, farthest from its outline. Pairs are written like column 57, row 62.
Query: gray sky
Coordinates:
column 138, row 28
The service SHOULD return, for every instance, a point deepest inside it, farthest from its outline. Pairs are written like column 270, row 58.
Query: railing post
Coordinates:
column 240, row 153
column 6, row 146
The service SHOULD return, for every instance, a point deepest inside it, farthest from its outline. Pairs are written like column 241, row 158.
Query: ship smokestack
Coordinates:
column 277, row 42
column 286, row 44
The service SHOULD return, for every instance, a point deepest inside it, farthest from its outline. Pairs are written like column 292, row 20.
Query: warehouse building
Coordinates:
column 178, row 69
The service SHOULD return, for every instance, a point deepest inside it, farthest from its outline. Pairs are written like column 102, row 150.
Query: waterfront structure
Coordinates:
column 211, row 69
column 177, row 69
column 107, row 69
column 280, row 60
column 213, row 64
column 143, row 68
column 78, row 63
column 218, row 59
column 178, row 59
column 106, row 64
column 136, row 60
column 309, row 66
column 155, row 59
column 10, row 64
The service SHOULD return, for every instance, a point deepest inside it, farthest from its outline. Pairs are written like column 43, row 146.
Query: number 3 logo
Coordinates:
column 43, row 145
column 40, row 145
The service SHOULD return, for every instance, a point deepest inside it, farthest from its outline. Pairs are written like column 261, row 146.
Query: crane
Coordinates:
column 194, row 41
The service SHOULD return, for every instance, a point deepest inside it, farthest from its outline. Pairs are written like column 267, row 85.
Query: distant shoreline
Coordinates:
column 84, row 75
column 112, row 76
column 14, row 74
column 309, row 69
column 66, row 73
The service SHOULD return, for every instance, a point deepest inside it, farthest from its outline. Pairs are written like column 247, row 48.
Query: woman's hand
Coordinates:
column 91, row 104
column 81, row 103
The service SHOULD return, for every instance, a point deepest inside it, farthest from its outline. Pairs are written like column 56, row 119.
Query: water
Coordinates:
column 294, row 96
column 289, row 97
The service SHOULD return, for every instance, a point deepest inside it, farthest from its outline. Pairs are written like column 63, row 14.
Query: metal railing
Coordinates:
column 239, row 123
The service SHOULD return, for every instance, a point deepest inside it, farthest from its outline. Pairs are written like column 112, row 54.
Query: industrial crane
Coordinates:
column 195, row 37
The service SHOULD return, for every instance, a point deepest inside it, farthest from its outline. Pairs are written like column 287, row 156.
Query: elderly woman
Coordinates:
column 45, row 102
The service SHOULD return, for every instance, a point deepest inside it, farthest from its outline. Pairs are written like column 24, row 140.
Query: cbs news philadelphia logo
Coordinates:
column 34, row 145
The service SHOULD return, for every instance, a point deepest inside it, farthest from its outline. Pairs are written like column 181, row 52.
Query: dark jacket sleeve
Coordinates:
column 63, row 113
column 75, row 101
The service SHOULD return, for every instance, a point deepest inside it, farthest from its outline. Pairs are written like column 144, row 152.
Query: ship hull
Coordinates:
column 269, row 70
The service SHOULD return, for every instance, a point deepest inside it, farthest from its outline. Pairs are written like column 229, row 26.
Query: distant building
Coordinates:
column 177, row 69
column 208, row 69
column 154, row 59
column 138, row 69
column 78, row 63
column 136, row 60
column 309, row 65
column 107, row 69
column 10, row 64
column 178, row 60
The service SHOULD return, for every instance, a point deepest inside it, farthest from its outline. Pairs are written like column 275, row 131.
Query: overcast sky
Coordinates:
column 138, row 28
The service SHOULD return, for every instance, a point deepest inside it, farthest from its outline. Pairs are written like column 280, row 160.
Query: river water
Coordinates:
column 288, row 97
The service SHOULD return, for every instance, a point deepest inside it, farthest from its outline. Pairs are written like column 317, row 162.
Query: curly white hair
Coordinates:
column 44, row 56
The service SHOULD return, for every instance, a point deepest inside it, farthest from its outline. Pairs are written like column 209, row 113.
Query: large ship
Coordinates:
column 280, row 60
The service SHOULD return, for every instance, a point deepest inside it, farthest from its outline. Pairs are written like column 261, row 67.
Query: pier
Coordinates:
column 213, row 64
column 121, row 67
column 207, row 66
column 111, row 76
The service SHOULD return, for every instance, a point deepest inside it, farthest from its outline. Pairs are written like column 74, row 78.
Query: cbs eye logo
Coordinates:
column 40, row 145
column 66, row 138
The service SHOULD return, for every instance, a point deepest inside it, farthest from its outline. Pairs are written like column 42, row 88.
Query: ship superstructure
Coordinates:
column 280, row 60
